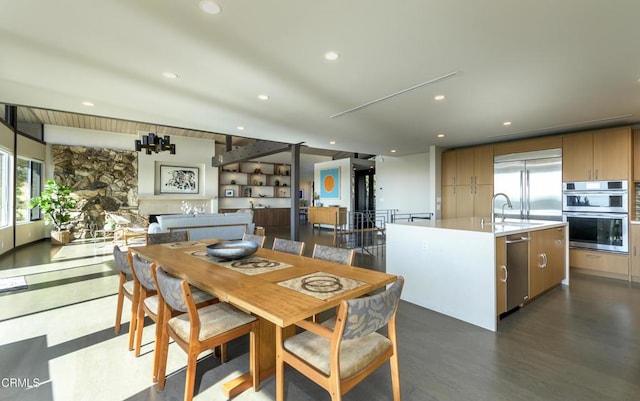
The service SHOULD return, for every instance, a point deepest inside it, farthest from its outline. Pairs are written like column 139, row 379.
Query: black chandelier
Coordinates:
column 155, row 143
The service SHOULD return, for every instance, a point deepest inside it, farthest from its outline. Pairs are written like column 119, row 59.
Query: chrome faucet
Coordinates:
column 493, row 206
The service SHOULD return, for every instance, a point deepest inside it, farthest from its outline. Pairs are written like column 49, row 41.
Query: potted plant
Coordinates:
column 55, row 201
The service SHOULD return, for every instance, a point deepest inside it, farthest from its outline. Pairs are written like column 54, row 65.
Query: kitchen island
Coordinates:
column 459, row 267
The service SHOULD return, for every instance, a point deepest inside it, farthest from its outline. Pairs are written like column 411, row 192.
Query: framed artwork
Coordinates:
column 179, row 180
column 228, row 192
column 330, row 183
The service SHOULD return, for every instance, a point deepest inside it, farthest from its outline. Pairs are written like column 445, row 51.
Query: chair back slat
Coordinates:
column 368, row 314
column 171, row 290
column 120, row 257
column 143, row 272
column 163, row 238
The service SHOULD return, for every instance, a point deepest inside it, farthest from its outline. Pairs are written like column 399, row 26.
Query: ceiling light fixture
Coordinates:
column 438, row 97
column 393, row 151
column 332, row 142
column 170, row 75
column 263, row 97
column 240, row 128
column 88, row 104
column 331, row 56
column 440, row 135
column 210, row 7
column 506, row 123
column 155, row 143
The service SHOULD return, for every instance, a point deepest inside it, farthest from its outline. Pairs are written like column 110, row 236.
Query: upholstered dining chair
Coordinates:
column 332, row 254
column 258, row 239
column 163, row 238
column 197, row 330
column 288, row 246
column 148, row 302
column 126, row 288
column 341, row 352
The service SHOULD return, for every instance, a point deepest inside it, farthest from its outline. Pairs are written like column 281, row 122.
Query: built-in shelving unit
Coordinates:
column 254, row 184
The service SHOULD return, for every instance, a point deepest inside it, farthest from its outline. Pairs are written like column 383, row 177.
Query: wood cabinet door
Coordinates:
column 556, row 256
column 611, row 154
column 464, row 166
column 501, row 275
column 448, row 202
column 634, row 252
column 483, row 165
column 449, row 160
column 537, row 266
column 464, row 200
column 482, row 195
column 577, row 157
column 636, row 156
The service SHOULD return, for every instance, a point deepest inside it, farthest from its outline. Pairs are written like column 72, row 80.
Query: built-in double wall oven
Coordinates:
column 598, row 214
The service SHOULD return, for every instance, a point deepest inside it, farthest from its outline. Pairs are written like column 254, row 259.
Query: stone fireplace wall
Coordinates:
column 102, row 179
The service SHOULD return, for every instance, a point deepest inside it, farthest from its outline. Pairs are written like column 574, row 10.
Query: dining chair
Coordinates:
column 341, row 352
column 288, row 246
column 332, row 254
column 258, row 239
column 197, row 330
column 163, row 238
column 148, row 302
column 126, row 288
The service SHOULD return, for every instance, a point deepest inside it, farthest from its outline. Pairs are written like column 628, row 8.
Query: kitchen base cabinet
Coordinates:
column 605, row 264
column 501, row 275
column 634, row 252
column 546, row 260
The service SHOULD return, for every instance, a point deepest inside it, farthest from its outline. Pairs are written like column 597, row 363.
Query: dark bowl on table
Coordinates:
column 232, row 249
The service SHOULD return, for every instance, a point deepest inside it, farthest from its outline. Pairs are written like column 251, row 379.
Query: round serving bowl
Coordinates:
column 232, row 249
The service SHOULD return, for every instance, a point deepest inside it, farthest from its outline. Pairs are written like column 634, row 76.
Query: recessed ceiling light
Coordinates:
column 438, row 97
column 440, row 135
column 240, row 128
column 170, row 75
column 393, row 151
column 331, row 56
column 506, row 123
column 210, row 7
column 263, row 97
column 332, row 142
column 88, row 104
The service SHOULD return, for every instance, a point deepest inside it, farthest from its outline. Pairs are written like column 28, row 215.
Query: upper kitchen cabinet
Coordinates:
column 449, row 160
column 468, row 166
column 597, row 156
column 467, row 182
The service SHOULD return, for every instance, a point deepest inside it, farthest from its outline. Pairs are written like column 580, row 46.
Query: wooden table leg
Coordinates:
column 266, row 344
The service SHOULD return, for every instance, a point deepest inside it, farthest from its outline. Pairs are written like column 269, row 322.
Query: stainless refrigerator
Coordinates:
column 533, row 182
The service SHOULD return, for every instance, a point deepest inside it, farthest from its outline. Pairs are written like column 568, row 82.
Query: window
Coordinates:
column 28, row 184
column 5, row 184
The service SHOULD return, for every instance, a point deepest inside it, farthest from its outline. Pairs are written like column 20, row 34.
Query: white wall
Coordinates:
column 190, row 152
column 404, row 183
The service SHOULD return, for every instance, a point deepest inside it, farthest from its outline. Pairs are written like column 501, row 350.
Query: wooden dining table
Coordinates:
column 280, row 289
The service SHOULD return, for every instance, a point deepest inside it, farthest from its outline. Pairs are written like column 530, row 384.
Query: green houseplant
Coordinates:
column 55, row 202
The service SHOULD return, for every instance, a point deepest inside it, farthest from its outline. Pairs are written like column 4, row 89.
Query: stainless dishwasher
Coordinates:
column 517, row 269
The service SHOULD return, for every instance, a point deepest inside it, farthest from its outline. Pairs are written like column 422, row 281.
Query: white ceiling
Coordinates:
column 546, row 66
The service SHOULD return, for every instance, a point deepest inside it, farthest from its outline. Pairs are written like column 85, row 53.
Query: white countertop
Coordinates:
column 498, row 229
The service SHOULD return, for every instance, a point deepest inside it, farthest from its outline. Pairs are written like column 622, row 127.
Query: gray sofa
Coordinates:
column 228, row 226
